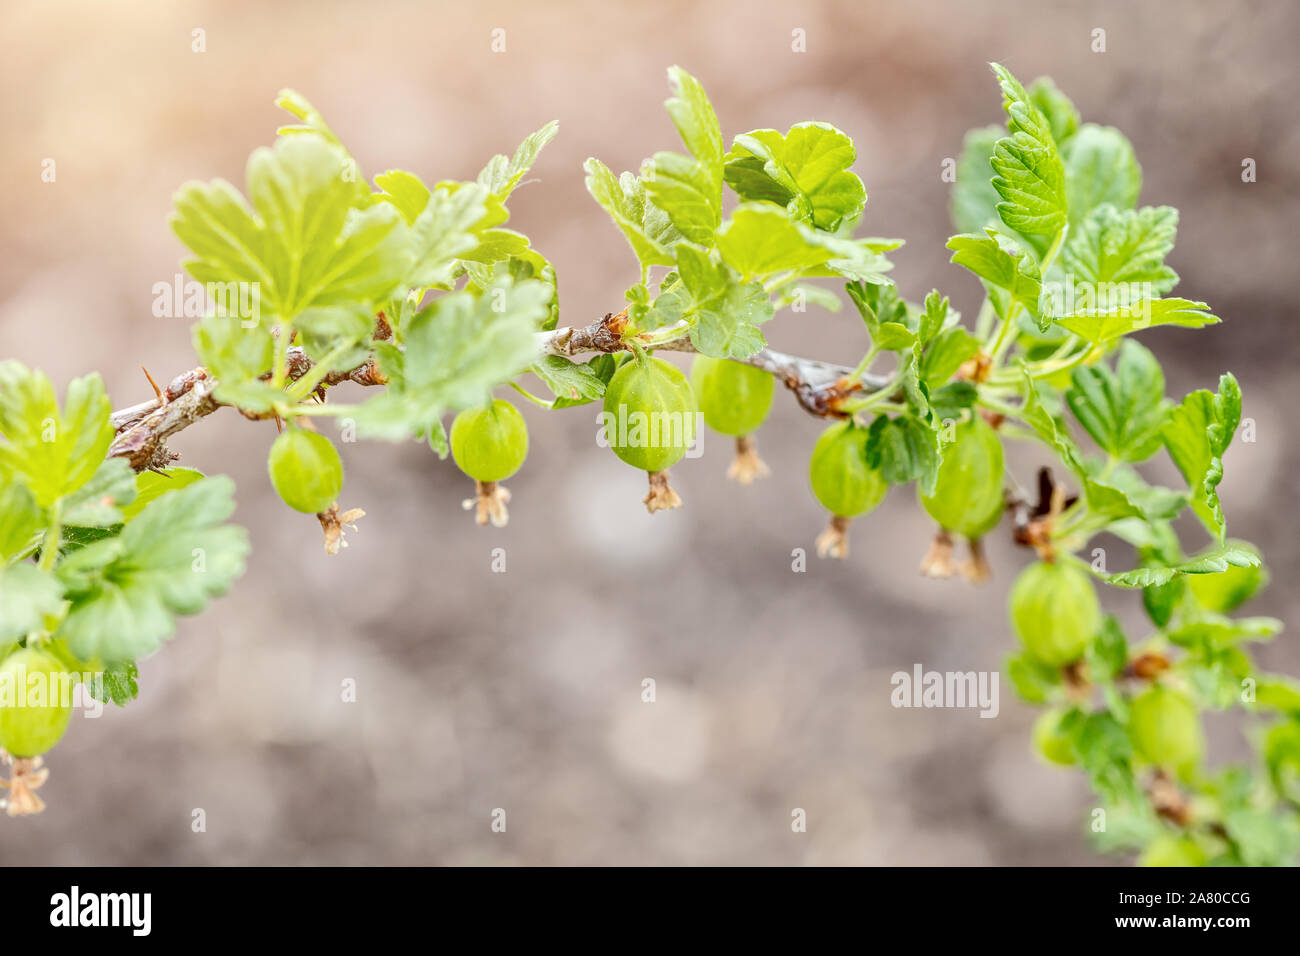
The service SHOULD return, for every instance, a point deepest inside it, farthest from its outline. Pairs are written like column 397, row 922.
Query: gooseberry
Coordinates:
column 843, row 482
column 305, row 470
column 489, row 444
column 1166, row 728
column 735, row 399
column 649, row 417
column 35, row 702
column 1055, row 611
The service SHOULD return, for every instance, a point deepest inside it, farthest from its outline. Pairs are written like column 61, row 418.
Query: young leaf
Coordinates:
column 117, row 683
column 806, row 171
column 27, row 594
column 502, row 174
column 1125, row 410
column 759, row 240
column 1197, row 435
column 974, row 200
column 98, row 503
column 53, row 452
column 1012, row 278
column 724, row 310
column 21, row 519
column 1211, row 562
column 457, row 350
column 171, row 558
column 945, row 355
column 304, row 241
column 904, row 449
column 1119, row 255
column 647, row 228
column 1060, row 112
column 575, row 382
column 1100, row 167
column 237, row 357
column 689, row 188
column 1030, row 176
column 1105, row 325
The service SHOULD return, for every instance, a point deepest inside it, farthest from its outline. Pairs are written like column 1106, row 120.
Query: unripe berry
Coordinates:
column 305, row 470
column 967, row 494
column 1050, row 742
column 1170, row 850
column 650, row 414
column 1166, row 729
column 35, row 702
column 1055, row 612
column 839, row 474
column 489, row 443
column 735, row 398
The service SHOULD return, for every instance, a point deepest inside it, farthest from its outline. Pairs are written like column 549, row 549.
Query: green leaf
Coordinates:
column 1197, row 435
column 1263, row 837
column 237, row 356
column 1108, row 651
column 949, row 401
column 1100, row 167
column 1104, row 499
column 1105, row 752
column 1061, row 114
column 98, row 503
column 151, row 485
column 575, row 382
column 458, row 349
column 171, row 558
column 894, row 337
column 1032, row 680
column 302, row 239
column 313, row 122
column 21, row 520
column 760, row 241
column 904, row 449
column 723, row 310
column 1030, row 175
column 117, row 683
column 877, row 304
column 806, row 171
column 974, row 200
column 603, row 368
column 502, row 174
column 945, row 355
column 689, row 188
column 1118, row 256
column 1213, row 561
column 1011, row 277
column 693, row 115
column 1125, row 410
column 446, row 226
column 52, row 452
column 27, row 594
column 647, row 227
column 1106, row 325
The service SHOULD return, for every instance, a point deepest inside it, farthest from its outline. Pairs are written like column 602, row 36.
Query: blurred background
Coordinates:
column 522, row 690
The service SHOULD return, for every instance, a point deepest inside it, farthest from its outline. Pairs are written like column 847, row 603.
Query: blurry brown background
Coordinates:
column 522, row 690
